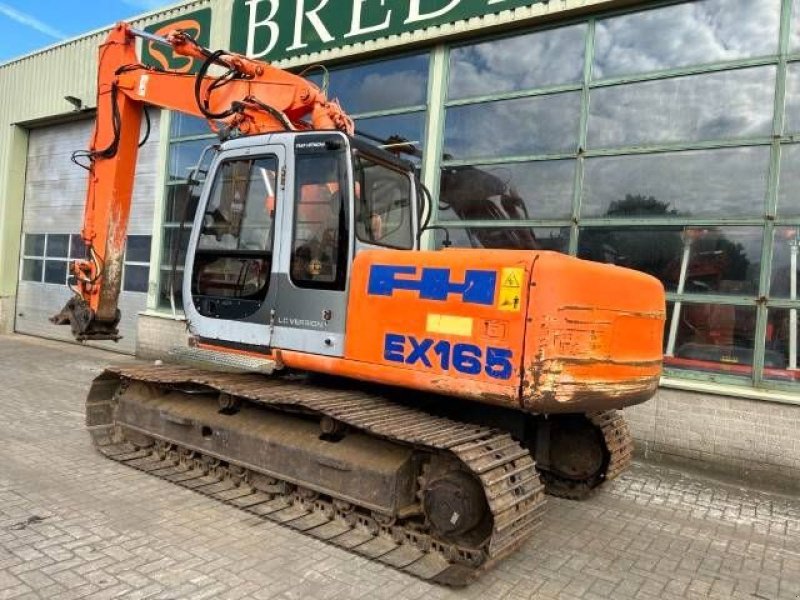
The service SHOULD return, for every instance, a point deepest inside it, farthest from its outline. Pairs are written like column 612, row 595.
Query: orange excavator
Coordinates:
column 411, row 406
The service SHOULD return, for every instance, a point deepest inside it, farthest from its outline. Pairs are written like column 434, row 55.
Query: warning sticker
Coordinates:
column 511, row 279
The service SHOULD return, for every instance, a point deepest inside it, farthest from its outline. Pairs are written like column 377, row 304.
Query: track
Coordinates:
column 506, row 472
column 619, row 447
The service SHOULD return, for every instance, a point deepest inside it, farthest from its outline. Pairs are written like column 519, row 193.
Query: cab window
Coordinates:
column 382, row 205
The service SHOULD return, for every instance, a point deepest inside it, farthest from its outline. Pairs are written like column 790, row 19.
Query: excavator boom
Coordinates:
column 251, row 97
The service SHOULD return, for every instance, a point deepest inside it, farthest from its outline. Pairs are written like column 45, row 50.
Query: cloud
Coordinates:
column 30, row 21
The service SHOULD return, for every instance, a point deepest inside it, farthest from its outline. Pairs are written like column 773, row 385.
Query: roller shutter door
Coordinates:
column 55, row 191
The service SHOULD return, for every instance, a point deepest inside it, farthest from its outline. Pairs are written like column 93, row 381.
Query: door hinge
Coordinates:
column 283, row 178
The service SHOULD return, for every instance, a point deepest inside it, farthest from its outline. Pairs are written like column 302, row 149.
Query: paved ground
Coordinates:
column 75, row 525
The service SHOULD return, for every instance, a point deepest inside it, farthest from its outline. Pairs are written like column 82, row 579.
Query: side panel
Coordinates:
column 594, row 337
column 452, row 320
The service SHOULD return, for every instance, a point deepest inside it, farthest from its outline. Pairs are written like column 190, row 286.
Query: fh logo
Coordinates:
column 168, row 60
column 433, row 283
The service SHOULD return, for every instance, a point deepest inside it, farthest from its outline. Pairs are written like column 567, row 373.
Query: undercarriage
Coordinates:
column 439, row 498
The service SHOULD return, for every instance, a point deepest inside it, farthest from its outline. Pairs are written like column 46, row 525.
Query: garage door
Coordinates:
column 55, row 191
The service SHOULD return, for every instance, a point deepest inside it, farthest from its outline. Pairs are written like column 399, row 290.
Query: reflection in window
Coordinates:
column 183, row 125
column 409, row 127
column 183, row 157
column 686, row 34
column 523, row 126
column 716, row 338
column 730, row 182
column 692, row 259
column 794, row 45
column 233, row 260
column 319, row 248
column 509, row 238
column 382, row 205
column 789, row 186
column 503, row 192
column 522, row 62
column 713, row 106
column 381, row 85
column 786, row 263
column 792, row 120
column 781, row 350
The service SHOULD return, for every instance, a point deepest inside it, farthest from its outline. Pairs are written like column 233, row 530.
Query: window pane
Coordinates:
column 183, row 157
column 57, row 245
column 712, row 183
column 524, row 126
column 184, row 125
column 789, row 186
column 320, row 226
column 181, row 204
column 781, row 351
column 382, row 205
column 786, row 263
column 32, row 270
column 407, row 127
column 795, row 41
column 55, row 271
column 713, row 338
column 138, row 248
column 136, row 278
column 713, row 106
column 513, row 191
column 514, row 238
column 34, row 244
column 716, row 260
column 686, row 34
column 521, row 62
column 171, row 237
column 792, row 122
column 164, row 289
column 381, row 85
column 77, row 247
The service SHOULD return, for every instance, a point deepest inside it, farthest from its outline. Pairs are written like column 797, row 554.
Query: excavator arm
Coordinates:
column 250, row 97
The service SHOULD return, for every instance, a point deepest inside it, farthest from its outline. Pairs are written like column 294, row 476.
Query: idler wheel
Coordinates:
column 454, row 503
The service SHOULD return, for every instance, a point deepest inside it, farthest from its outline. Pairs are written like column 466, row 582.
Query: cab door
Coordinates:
column 230, row 283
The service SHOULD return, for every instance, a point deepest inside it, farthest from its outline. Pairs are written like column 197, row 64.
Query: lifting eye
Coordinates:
column 206, row 432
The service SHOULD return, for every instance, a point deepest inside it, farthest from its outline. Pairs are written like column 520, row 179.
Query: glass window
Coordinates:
column 409, row 127
column 34, row 244
column 32, row 270
column 382, row 205
column 711, row 338
column 137, row 248
column 523, row 126
column 718, row 260
column 712, row 106
column 175, row 240
column 183, row 125
column 789, row 186
column 319, row 239
column 512, row 238
column 511, row 191
column 381, row 85
column 708, row 183
column 522, row 62
column 786, row 263
column 77, row 247
column 183, row 157
column 795, row 40
column 165, row 281
column 57, row 245
column 55, row 271
column 181, row 204
column 686, row 34
column 135, row 279
column 233, row 260
column 792, row 120
column 781, row 350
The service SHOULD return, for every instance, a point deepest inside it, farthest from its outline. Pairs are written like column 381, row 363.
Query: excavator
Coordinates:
column 411, row 406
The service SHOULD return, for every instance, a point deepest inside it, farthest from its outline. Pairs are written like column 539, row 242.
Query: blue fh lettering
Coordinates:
column 468, row 359
column 433, row 283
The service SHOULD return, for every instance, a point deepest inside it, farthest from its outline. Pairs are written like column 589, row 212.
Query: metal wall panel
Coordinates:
column 55, row 191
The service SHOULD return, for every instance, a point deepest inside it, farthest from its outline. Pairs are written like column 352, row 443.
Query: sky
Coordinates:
column 27, row 25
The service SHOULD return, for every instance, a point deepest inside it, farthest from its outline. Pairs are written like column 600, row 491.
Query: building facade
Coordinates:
column 661, row 136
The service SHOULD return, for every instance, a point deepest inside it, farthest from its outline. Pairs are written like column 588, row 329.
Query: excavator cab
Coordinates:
column 270, row 253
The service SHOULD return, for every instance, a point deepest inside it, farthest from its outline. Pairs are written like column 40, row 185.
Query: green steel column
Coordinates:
column 12, row 194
